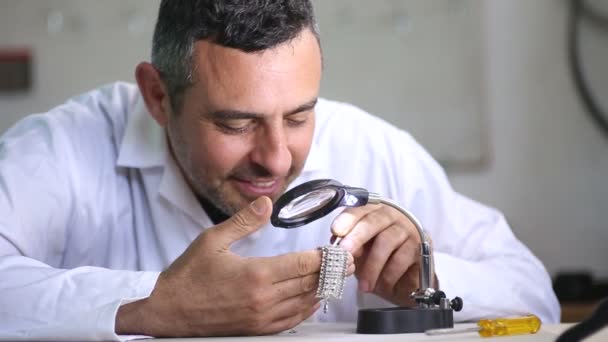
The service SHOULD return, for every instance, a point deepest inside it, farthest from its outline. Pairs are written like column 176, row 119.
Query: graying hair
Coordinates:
column 247, row 25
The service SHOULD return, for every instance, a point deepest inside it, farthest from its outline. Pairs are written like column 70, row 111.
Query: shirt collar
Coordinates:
column 314, row 161
column 144, row 144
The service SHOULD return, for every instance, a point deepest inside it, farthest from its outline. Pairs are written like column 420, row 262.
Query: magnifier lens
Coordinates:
column 304, row 205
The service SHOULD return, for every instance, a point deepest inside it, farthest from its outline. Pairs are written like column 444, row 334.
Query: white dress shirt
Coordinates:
column 93, row 207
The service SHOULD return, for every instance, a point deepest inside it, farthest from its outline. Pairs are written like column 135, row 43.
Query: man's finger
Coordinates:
column 367, row 228
column 245, row 222
column 347, row 219
column 291, row 321
column 295, row 305
column 293, row 265
column 398, row 264
column 296, row 286
column 383, row 246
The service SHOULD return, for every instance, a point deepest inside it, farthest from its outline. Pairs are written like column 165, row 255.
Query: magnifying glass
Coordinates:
column 312, row 200
column 315, row 199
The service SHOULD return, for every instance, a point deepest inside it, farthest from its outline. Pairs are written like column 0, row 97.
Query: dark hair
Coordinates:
column 247, row 25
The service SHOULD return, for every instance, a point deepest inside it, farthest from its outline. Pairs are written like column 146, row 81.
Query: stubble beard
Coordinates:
column 221, row 195
column 225, row 197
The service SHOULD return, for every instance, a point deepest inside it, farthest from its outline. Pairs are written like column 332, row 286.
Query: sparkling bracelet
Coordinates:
column 332, row 275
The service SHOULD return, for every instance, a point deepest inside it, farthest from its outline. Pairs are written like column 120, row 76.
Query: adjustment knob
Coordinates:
column 456, row 304
column 436, row 297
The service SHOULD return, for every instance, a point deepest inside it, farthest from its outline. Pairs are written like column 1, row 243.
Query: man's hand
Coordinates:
column 210, row 291
column 386, row 247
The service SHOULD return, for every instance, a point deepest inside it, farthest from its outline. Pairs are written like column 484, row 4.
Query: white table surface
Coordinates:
column 346, row 332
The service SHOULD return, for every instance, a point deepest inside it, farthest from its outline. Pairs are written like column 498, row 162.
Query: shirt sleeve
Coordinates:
column 477, row 257
column 38, row 299
column 38, row 302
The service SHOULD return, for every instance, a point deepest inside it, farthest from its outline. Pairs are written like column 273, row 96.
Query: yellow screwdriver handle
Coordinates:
column 509, row 326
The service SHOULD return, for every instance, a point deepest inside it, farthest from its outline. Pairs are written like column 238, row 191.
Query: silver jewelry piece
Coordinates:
column 332, row 275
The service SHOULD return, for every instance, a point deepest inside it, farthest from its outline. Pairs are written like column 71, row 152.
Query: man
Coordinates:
column 144, row 210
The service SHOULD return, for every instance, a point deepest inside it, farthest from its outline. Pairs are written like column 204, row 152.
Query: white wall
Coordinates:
column 77, row 45
column 549, row 172
column 549, row 162
column 417, row 65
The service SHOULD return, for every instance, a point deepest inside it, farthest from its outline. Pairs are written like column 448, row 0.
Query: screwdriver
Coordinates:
column 529, row 324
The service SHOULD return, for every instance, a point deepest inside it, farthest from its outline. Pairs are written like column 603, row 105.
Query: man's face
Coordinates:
column 246, row 125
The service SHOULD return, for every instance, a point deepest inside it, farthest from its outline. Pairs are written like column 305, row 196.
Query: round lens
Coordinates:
column 306, row 204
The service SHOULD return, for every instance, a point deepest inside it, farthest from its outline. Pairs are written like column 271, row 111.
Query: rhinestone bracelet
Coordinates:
column 332, row 275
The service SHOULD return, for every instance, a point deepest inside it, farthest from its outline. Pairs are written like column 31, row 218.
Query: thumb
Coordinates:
column 246, row 221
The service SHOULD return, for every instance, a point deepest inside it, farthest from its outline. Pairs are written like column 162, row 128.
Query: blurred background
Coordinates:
column 509, row 95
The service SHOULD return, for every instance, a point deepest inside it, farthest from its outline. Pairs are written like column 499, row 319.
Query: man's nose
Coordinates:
column 271, row 151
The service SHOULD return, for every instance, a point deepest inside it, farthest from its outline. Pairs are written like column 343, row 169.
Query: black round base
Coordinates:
column 400, row 320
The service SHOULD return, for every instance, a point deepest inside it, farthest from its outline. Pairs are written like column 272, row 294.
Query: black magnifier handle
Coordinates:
column 354, row 197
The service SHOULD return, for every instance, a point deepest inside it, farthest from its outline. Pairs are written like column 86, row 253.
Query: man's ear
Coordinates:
column 154, row 92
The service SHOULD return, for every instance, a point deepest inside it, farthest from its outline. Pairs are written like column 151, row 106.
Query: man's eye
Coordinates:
column 235, row 126
column 295, row 123
column 297, row 120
